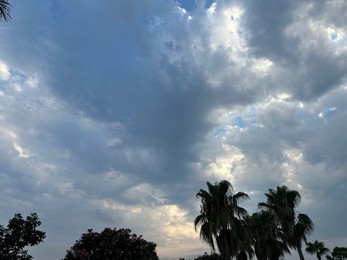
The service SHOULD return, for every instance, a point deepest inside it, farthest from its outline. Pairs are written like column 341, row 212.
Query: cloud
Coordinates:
column 4, row 71
column 116, row 114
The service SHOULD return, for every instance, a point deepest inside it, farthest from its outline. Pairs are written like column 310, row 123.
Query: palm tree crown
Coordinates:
column 317, row 248
column 5, row 10
column 221, row 218
column 282, row 203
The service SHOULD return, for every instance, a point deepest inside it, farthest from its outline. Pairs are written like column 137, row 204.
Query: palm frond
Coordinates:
column 5, row 10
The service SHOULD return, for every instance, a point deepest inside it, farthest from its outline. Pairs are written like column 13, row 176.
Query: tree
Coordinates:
column 282, row 203
column 317, row 248
column 18, row 234
column 338, row 253
column 116, row 244
column 5, row 10
column 267, row 240
column 302, row 227
column 221, row 219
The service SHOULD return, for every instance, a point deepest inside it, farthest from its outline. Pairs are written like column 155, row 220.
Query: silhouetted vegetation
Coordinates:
column 317, row 248
column 222, row 221
column 116, row 244
column 211, row 256
column 267, row 234
column 5, row 10
column 338, row 253
column 18, row 234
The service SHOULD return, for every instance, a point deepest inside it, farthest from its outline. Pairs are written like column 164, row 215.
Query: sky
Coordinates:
column 116, row 113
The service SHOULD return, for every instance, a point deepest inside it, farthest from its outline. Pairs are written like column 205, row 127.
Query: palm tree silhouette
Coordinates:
column 267, row 238
column 302, row 227
column 5, row 10
column 221, row 219
column 282, row 203
column 317, row 248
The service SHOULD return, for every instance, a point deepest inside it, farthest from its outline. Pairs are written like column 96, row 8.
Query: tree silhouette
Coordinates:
column 317, row 248
column 116, row 244
column 302, row 227
column 18, row 234
column 5, row 10
column 282, row 203
column 338, row 253
column 267, row 239
column 221, row 220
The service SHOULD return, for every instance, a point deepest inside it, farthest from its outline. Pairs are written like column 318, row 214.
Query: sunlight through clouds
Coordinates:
column 20, row 151
column 4, row 71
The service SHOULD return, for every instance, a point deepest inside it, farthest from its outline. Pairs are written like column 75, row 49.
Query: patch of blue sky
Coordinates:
column 333, row 36
column 191, row 4
column 328, row 112
column 239, row 121
column 220, row 131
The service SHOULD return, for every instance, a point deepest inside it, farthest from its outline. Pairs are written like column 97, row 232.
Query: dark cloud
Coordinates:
column 286, row 32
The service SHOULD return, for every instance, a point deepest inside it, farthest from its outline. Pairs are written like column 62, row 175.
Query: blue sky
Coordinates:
column 115, row 113
column 189, row 5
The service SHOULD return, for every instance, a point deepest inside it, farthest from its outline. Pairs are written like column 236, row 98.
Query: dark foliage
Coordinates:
column 338, row 253
column 18, row 234
column 112, row 244
column 5, row 10
column 212, row 256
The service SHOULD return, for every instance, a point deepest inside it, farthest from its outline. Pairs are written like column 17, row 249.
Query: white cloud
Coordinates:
column 4, row 71
column 20, row 151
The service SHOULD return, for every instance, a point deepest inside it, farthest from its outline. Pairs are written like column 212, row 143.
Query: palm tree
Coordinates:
column 302, row 227
column 221, row 218
column 282, row 203
column 317, row 248
column 5, row 10
column 267, row 240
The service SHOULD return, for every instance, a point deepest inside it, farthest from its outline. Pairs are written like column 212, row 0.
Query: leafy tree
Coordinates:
column 338, row 253
column 317, row 248
column 18, row 234
column 221, row 219
column 282, row 203
column 112, row 244
column 5, row 10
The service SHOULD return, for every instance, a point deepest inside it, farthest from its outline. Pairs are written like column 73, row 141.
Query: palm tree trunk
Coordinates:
column 227, row 247
column 319, row 257
column 301, row 255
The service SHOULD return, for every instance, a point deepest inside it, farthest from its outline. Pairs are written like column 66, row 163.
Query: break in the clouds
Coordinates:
column 115, row 113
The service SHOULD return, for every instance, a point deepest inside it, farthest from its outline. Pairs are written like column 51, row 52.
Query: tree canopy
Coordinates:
column 116, row 244
column 317, row 248
column 338, row 253
column 18, row 234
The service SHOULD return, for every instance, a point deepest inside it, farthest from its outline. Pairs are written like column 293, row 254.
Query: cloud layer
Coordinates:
column 116, row 114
